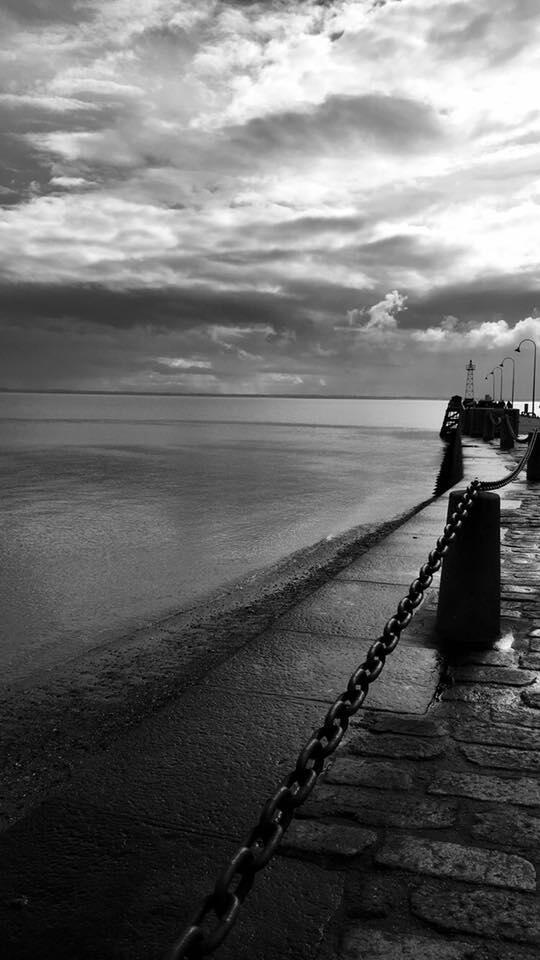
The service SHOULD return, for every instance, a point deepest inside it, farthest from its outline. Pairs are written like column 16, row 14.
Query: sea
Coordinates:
column 120, row 510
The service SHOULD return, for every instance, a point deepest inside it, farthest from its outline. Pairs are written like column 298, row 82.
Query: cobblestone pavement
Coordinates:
column 434, row 819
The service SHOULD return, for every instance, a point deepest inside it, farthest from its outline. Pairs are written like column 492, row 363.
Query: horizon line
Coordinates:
column 268, row 396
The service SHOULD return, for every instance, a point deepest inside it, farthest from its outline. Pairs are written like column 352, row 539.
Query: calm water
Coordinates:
column 117, row 511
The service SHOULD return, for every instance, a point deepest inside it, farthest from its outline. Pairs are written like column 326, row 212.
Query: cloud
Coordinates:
column 369, row 121
column 291, row 378
column 226, row 181
column 376, row 325
column 490, row 335
column 183, row 363
column 48, row 11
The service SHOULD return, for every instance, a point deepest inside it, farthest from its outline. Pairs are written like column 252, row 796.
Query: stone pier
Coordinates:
column 421, row 841
column 433, row 820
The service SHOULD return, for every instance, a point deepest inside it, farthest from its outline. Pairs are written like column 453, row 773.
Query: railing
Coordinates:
column 219, row 910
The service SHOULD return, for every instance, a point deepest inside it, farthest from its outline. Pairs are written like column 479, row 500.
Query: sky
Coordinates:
column 312, row 197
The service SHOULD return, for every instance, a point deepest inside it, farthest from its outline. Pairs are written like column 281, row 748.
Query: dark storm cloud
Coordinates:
column 163, row 309
column 309, row 226
column 460, row 30
column 86, row 336
column 26, row 115
column 25, row 165
column 48, row 11
column 393, row 122
column 509, row 298
column 21, row 168
column 402, row 250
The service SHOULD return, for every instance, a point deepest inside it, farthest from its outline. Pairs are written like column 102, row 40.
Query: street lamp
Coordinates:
column 491, row 374
column 500, row 385
column 513, row 362
column 517, row 350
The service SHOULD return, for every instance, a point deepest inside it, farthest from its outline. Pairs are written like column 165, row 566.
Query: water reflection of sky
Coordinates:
column 110, row 524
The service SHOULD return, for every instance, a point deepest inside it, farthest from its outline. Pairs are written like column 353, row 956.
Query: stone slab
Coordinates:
column 426, row 726
column 327, row 839
column 345, row 608
column 503, row 676
column 379, row 808
column 530, row 661
column 369, row 773
column 521, row 791
column 102, row 888
column 504, row 758
column 531, row 698
column 496, row 734
column 392, row 561
column 458, row 862
column 395, row 745
column 508, row 916
column 516, row 716
column 362, row 943
column 293, row 664
column 509, row 828
column 491, row 658
column 206, row 763
column 481, row 694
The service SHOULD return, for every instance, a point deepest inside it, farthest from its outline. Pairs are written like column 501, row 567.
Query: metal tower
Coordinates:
column 469, row 386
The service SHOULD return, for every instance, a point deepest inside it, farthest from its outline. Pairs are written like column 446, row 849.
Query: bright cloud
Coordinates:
column 182, row 363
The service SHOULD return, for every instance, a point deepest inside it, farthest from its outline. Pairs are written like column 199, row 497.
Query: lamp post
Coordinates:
column 491, row 374
column 500, row 385
column 517, row 350
column 513, row 362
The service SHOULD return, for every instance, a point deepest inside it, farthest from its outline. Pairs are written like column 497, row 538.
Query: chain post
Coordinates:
column 533, row 464
column 468, row 612
column 506, row 440
column 488, row 431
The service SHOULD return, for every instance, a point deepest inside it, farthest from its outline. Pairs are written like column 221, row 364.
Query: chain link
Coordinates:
column 514, row 435
column 497, row 484
column 232, row 886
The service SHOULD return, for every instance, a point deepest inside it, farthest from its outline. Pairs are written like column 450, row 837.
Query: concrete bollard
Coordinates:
column 514, row 420
column 489, row 427
column 477, row 422
column 533, row 463
column 506, row 441
column 466, row 421
column 469, row 608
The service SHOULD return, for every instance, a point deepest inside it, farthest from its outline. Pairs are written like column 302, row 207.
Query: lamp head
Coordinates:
column 517, row 350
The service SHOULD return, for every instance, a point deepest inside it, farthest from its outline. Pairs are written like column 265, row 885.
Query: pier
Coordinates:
column 421, row 839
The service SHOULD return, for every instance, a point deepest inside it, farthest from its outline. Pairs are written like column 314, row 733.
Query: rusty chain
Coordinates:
column 219, row 910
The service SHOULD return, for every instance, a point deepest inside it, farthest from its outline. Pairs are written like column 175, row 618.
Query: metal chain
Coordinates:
column 514, row 435
column 497, row 484
column 219, row 910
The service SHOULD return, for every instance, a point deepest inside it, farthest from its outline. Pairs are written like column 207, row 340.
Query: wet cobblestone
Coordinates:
column 469, row 770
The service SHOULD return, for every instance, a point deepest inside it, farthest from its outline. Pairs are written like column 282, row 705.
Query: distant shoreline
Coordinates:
column 221, row 396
